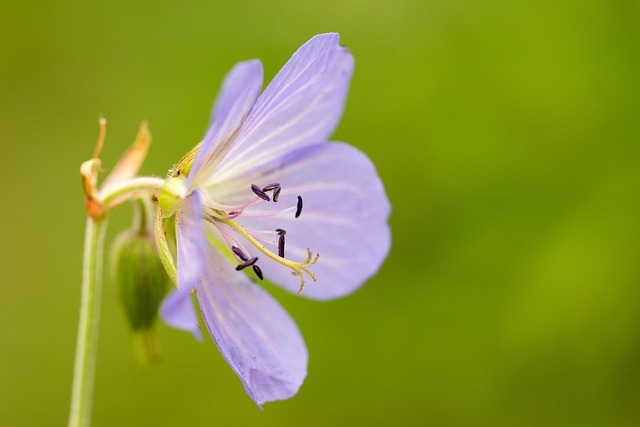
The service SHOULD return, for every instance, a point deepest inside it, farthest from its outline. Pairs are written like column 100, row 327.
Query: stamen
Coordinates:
column 281, row 245
column 246, row 264
column 236, row 250
column 227, row 235
column 258, row 272
column 260, row 214
column 299, row 207
column 275, row 187
column 222, row 211
column 299, row 268
column 259, row 192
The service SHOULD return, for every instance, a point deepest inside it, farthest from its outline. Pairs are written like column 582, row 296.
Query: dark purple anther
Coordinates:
column 275, row 187
column 271, row 187
column 299, row 207
column 259, row 192
column 246, row 264
column 258, row 272
column 281, row 246
column 236, row 250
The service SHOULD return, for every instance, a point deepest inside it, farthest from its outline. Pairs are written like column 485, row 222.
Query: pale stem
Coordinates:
column 84, row 370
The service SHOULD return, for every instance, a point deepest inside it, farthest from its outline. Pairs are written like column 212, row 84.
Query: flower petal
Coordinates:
column 344, row 218
column 237, row 96
column 302, row 105
column 191, row 242
column 177, row 309
column 255, row 335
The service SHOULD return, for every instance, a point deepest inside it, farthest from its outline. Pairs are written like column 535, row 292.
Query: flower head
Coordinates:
column 265, row 195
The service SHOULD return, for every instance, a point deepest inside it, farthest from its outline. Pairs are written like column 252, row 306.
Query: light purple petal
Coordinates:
column 237, row 96
column 255, row 335
column 301, row 106
column 344, row 218
column 177, row 309
column 191, row 242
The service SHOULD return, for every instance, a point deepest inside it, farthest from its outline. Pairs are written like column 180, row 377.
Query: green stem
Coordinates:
column 88, row 324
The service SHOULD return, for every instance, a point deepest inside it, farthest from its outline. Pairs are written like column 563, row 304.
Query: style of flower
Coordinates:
column 266, row 195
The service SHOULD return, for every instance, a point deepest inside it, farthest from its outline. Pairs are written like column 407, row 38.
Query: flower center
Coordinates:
column 225, row 221
column 223, row 217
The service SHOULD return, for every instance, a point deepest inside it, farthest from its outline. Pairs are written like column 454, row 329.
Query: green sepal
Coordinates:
column 164, row 232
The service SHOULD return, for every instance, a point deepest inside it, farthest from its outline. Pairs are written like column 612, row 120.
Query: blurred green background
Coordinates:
column 508, row 137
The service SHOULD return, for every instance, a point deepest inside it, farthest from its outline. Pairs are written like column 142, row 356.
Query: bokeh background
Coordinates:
column 507, row 134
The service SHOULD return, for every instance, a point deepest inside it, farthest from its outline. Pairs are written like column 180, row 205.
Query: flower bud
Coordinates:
column 142, row 283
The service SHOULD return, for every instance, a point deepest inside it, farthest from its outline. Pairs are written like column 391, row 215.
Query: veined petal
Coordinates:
column 301, row 106
column 255, row 335
column 191, row 242
column 177, row 309
column 237, row 96
column 344, row 218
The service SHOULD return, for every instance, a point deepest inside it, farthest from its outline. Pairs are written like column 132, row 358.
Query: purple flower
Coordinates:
column 266, row 195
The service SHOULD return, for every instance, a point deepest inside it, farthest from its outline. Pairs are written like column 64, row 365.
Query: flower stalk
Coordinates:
column 84, row 369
